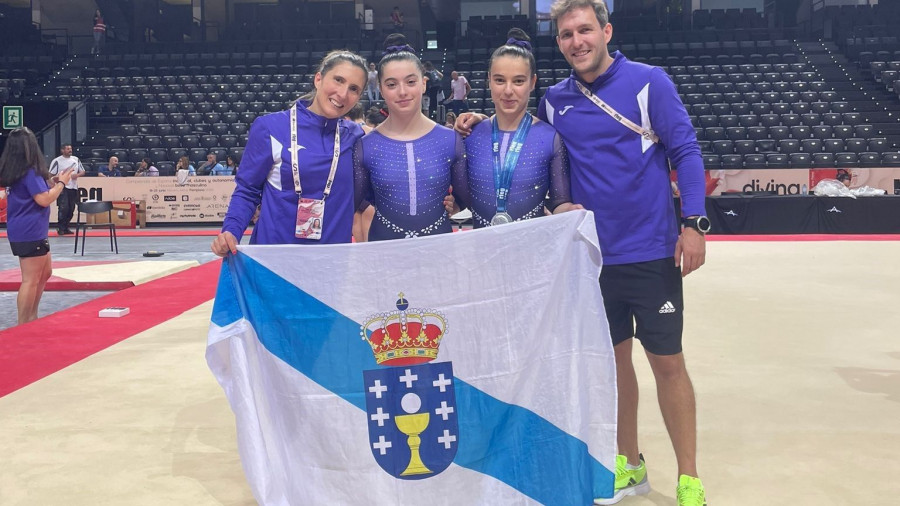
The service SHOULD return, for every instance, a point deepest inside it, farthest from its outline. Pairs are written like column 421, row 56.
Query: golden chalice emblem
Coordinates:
column 412, row 425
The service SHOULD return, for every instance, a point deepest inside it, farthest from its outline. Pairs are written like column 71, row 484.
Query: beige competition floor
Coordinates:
column 793, row 348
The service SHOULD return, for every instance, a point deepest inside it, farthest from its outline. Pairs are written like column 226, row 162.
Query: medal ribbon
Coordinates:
column 503, row 175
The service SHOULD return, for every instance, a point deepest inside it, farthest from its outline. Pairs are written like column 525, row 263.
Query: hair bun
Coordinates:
column 395, row 43
column 518, row 37
column 397, row 49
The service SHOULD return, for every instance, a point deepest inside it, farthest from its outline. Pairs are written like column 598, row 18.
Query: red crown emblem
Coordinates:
column 406, row 336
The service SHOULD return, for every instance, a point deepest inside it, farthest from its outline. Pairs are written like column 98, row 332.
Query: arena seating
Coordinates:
column 755, row 101
column 757, row 97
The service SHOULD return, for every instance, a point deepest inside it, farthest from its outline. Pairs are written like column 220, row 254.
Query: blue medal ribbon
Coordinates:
column 503, row 175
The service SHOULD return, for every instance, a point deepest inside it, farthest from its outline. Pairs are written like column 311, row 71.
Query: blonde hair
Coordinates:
column 561, row 7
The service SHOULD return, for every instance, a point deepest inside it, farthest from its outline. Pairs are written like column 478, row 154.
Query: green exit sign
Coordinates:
column 12, row 117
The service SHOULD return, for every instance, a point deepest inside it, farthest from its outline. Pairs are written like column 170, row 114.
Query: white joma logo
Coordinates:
column 731, row 212
column 834, row 209
column 566, row 109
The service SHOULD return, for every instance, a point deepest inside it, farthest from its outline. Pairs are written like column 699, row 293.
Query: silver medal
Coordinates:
column 501, row 219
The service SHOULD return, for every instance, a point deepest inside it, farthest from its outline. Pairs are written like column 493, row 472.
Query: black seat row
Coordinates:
column 712, row 161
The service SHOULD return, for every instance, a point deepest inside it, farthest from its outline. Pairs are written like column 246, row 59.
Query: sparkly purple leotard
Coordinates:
column 543, row 166
column 407, row 181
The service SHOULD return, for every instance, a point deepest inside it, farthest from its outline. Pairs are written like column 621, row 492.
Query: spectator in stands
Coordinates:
column 184, row 163
column 459, row 90
column 356, row 115
column 69, row 196
column 450, row 120
column 620, row 172
column 372, row 90
column 111, row 169
column 146, row 169
column 231, row 165
column 339, row 84
column 527, row 154
column 375, row 116
column 211, row 167
column 383, row 155
column 99, row 33
column 23, row 170
column 397, row 19
column 432, row 87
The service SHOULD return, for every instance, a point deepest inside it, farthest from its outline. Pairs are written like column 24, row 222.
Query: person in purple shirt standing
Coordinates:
column 623, row 123
column 24, row 171
column 304, row 193
column 511, row 184
column 406, row 166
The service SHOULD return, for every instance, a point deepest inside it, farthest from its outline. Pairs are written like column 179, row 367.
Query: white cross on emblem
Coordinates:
column 443, row 411
column 446, row 439
column 380, row 416
column 409, row 378
column 378, row 389
column 442, row 382
column 382, row 445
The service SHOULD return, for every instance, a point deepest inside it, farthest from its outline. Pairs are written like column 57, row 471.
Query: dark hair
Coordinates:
column 374, row 116
column 22, row 153
column 397, row 49
column 356, row 112
column 518, row 44
column 147, row 161
column 331, row 60
column 231, row 158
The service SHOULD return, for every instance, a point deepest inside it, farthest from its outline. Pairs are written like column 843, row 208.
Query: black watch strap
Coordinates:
column 699, row 223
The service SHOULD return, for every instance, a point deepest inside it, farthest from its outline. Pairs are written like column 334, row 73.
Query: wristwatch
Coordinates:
column 699, row 223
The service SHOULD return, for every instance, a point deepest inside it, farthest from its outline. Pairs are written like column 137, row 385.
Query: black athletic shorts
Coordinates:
column 30, row 248
column 645, row 300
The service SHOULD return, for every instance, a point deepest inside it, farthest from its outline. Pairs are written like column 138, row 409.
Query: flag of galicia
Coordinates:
column 470, row 368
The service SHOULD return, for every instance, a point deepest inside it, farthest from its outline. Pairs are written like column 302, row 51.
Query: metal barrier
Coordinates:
column 69, row 128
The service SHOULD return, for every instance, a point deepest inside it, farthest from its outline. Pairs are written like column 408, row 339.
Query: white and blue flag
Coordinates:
column 469, row 368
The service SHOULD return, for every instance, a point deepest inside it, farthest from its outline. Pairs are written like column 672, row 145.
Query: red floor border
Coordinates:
column 40, row 348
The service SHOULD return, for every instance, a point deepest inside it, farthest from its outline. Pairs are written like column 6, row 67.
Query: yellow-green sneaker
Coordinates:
column 628, row 481
column 690, row 491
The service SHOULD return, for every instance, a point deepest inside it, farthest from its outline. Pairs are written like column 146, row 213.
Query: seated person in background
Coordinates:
column 111, row 169
column 210, row 166
column 450, row 119
column 146, row 168
column 231, row 166
column 375, row 116
column 185, row 164
column 356, row 115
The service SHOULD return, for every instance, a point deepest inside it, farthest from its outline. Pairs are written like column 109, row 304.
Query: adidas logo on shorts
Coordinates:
column 666, row 308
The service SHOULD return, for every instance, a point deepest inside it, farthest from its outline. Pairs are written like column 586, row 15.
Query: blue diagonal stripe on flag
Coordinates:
column 502, row 440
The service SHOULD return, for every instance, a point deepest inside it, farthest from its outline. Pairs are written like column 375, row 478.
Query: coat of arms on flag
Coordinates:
column 413, row 426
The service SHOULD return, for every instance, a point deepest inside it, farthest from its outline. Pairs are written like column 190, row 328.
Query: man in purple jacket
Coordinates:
column 623, row 122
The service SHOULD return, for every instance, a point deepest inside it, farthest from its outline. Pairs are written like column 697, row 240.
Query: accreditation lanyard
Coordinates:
column 311, row 212
column 503, row 174
column 643, row 132
column 295, row 164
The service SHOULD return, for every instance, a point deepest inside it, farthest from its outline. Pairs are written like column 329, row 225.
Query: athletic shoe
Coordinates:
column 628, row 481
column 690, row 491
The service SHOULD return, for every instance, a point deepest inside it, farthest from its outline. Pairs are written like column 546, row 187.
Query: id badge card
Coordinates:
column 310, row 217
